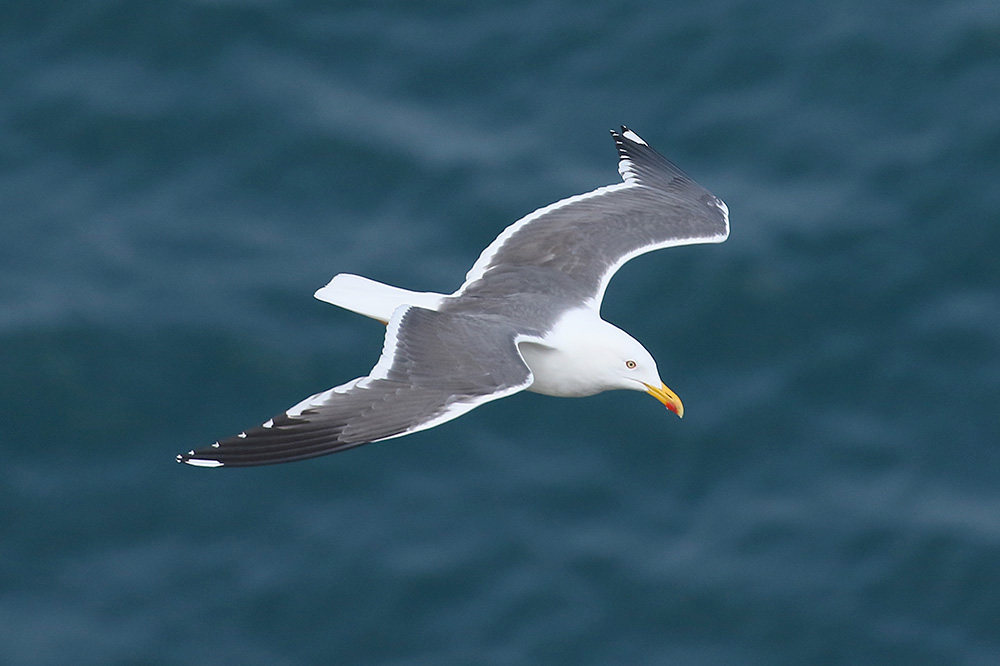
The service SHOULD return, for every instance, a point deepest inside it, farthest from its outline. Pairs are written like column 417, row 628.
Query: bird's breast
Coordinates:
column 557, row 372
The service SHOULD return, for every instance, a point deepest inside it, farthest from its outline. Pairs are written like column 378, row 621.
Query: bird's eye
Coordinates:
column 630, row 364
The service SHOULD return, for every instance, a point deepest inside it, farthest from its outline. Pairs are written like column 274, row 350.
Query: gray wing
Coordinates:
column 434, row 367
column 586, row 238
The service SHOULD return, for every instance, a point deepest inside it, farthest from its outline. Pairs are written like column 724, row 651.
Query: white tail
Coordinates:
column 373, row 299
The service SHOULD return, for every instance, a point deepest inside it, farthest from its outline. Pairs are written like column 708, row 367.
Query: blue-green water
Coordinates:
column 176, row 179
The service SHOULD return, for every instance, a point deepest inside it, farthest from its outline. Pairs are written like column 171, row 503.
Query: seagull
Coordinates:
column 527, row 317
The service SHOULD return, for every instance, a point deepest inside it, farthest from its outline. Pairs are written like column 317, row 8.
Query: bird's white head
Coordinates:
column 626, row 364
column 584, row 355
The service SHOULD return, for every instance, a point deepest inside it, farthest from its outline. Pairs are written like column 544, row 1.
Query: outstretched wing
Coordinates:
column 589, row 236
column 434, row 367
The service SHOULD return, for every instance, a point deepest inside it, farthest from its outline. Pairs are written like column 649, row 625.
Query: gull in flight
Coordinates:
column 527, row 317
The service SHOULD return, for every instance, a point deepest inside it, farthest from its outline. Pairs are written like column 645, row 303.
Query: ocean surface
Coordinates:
column 177, row 178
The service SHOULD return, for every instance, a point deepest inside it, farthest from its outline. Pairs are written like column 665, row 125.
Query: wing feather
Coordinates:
column 589, row 236
column 434, row 367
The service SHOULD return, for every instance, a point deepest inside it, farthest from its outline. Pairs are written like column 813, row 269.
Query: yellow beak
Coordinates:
column 667, row 397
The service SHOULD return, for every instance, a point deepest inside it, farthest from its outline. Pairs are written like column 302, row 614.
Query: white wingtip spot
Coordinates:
column 269, row 423
column 632, row 136
column 195, row 462
column 723, row 207
column 242, row 435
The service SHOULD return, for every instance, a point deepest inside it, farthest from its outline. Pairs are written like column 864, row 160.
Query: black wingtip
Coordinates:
column 620, row 141
column 192, row 458
column 629, row 143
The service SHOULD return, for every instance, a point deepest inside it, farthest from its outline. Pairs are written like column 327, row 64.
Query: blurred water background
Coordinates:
column 177, row 178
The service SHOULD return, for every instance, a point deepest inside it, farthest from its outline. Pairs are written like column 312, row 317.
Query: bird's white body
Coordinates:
column 582, row 355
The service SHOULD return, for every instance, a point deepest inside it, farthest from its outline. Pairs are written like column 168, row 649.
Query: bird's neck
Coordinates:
column 560, row 361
